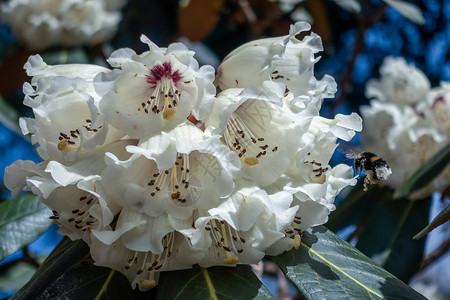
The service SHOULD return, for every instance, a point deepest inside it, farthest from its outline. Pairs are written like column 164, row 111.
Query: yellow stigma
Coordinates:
column 148, row 284
column 320, row 179
column 64, row 145
column 169, row 113
column 251, row 161
column 230, row 259
column 297, row 240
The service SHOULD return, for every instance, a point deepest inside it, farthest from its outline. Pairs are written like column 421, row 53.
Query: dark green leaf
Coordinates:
column 352, row 6
column 69, row 273
column 326, row 267
column 9, row 116
column 425, row 174
column 440, row 219
column 15, row 276
column 22, row 220
column 66, row 56
column 356, row 206
column 387, row 236
column 212, row 283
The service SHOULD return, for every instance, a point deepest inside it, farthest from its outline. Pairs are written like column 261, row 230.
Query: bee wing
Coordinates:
column 350, row 152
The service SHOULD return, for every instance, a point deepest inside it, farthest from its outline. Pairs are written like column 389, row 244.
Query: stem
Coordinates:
column 435, row 255
column 105, row 285
column 212, row 290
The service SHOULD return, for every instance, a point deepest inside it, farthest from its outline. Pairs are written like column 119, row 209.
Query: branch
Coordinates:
column 435, row 255
column 363, row 24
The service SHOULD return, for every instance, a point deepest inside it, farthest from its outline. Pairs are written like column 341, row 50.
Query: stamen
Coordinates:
column 81, row 218
column 141, row 269
column 165, row 93
column 173, row 181
column 130, row 261
column 249, row 147
column 168, row 242
column 220, row 236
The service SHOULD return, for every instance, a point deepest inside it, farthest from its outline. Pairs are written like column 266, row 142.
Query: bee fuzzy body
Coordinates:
column 370, row 163
column 375, row 167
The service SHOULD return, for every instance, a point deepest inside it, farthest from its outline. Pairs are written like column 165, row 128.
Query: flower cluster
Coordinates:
column 40, row 24
column 409, row 121
column 156, row 172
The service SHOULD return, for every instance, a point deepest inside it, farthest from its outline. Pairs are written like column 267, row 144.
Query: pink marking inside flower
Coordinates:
column 438, row 100
column 160, row 71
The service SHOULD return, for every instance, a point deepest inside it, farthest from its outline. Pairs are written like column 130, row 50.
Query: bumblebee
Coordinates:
column 375, row 167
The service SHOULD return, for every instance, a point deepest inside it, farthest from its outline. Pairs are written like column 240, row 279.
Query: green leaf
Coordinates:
column 425, row 174
column 212, row 283
column 9, row 116
column 326, row 267
column 356, row 206
column 69, row 273
column 387, row 236
column 22, row 220
column 440, row 219
column 349, row 5
column 66, row 56
column 408, row 10
column 15, row 277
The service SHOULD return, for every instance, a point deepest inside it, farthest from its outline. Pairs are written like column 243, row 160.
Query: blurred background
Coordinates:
column 355, row 44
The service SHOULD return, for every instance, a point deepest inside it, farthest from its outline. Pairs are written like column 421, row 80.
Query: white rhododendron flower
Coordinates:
column 72, row 190
column 399, row 82
column 141, row 247
column 54, row 91
column 242, row 227
column 173, row 173
column 437, row 108
column 282, row 59
column 254, row 124
column 156, row 172
column 41, row 24
column 156, row 90
column 408, row 121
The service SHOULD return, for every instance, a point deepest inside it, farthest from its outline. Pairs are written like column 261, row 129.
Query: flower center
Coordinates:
column 165, row 95
column 240, row 138
column 154, row 262
column 71, row 140
column 79, row 217
column 227, row 238
column 441, row 111
column 319, row 176
column 422, row 149
column 174, row 182
column 294, row 232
